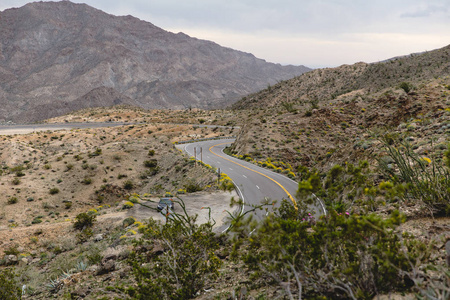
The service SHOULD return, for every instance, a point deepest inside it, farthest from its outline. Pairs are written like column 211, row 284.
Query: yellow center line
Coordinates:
column 284, row 189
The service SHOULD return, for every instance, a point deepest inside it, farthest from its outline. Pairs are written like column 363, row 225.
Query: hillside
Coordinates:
column 331, row 116
column 52, row 54
column 49, row 179
column 328, row 84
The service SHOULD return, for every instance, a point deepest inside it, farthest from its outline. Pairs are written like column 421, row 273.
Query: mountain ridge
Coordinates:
column 59, row 51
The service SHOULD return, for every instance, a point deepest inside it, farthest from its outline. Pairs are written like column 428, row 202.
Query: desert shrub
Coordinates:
column 337, row 188
column 87, row 180
column 149, row 173
column 422, row 179
column 186, row 263
column 151, row 152
column 97, row 152
column 20, row 174
column 16, row 181
column 128, row 205
column 128, row 185
column 152, row 163
column 12, row 250
column 37, row 220
column 12, row 200
column 53, row 191
column 128, row 221
column 225, row 182
column 9, row 289
column 289, row 106
column 84, row 235
column 84, row 220
column 341, row 256
column 407, row 87
column 192, row 187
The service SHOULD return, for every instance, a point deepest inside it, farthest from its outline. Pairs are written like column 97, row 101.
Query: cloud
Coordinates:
column 313, row 33
column 426, row 11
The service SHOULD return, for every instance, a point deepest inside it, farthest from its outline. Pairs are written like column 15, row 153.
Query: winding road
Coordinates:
column 253, row 182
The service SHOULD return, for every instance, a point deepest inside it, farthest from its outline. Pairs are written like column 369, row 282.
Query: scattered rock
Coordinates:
column 106, row 267
column 125, row 272
column 10, row 259
column 81, row 292
column 109, row 257
column 98, row 237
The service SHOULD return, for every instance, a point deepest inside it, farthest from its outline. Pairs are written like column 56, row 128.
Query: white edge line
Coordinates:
column 239, row 192
column 314, row 195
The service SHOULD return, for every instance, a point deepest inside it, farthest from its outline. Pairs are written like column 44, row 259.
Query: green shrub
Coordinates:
column 128, row 185
column 192, row 187
column 153, row 163
column 407, row 87
column 12, row 200
column 37, row 220
column 151, row 152
column 341, row 256
column 420, row 178
column 20, row 174
column 97, row 152
column 84, row 220
column 9, row 289
column 53, row 191
column 16, row 181
column 87, row 180
column 183, row 271
column 128, row 221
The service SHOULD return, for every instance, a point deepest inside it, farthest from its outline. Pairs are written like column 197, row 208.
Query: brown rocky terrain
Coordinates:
column 59, row 56
column 335, row 115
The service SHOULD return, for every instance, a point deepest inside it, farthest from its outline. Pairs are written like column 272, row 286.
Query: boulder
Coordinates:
column 10, row 259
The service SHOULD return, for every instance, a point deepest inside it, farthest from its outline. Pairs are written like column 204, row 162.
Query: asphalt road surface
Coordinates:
column 253, row 182
column 28, row 128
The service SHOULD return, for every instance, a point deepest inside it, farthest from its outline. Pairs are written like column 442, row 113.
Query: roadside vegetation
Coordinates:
column 371, row 142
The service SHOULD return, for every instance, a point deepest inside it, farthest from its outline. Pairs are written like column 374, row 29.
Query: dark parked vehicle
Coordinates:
column 165, row 203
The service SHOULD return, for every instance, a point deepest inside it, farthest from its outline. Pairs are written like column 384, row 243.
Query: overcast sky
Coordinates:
column 315, row 33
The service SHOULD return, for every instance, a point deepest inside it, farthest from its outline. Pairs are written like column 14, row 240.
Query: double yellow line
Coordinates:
column 282, row 187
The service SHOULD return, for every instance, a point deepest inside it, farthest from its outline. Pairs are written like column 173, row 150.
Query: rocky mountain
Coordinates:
column 329, row 83
column 52, row 54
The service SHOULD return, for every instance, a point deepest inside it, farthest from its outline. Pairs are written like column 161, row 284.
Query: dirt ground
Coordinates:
column 111, row 218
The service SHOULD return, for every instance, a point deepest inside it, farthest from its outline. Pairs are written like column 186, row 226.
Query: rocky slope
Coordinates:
column 338, row 115
column 53, row 53
column 329, row 83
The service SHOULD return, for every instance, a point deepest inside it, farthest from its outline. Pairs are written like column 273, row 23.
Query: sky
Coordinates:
column 314, row 33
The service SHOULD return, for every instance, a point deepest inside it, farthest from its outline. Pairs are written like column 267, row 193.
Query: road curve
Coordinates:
column 255, row 183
